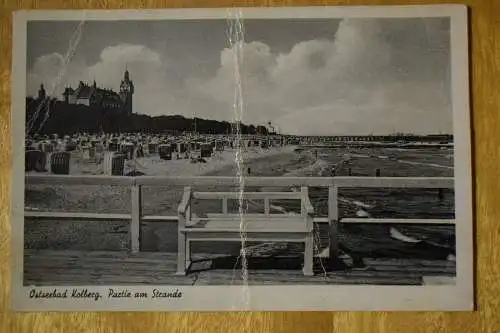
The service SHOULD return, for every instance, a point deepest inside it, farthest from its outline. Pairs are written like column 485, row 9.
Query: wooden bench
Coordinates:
column 225, row 227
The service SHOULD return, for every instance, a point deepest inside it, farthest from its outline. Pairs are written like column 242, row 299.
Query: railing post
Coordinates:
column 135, row 223
column 333, row 218
column 266, row 206
column 224, row 205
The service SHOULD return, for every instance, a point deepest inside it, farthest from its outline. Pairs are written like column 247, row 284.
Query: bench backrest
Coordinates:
column 301, row 196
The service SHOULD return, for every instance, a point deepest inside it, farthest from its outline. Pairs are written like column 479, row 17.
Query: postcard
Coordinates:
column 299, row 158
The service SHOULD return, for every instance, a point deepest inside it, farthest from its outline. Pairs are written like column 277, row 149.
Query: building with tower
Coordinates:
column 93, row 96
column 126, row 92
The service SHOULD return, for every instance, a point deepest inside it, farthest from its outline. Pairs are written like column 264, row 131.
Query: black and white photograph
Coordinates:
column 307, row 158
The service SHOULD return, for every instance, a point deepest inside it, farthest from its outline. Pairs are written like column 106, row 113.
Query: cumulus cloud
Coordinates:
column 372, row 76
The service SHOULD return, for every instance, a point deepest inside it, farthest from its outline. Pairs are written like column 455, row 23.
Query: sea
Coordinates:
column 356, row 240
column 384, row 240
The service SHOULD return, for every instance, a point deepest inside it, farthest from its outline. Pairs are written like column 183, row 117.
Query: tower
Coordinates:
column 41, row 93
column 126, row 92
column 66, row 94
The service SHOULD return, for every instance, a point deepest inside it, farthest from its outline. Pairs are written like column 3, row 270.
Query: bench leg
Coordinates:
column 308, row 255
column 188, row 254
column 181, row 254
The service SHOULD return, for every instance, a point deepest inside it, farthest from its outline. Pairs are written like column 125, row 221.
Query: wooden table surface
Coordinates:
column 485, row 44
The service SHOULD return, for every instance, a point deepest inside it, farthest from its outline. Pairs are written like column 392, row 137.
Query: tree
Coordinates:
column 67, row 118
column 262, row 130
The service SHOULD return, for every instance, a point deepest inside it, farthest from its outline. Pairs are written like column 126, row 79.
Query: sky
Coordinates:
column 308, row 77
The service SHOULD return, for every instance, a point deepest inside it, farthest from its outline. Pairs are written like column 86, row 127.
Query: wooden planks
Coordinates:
column 173, row 219
column 77, row 216
column 382, row 182
column 251, row 216
column 397, row 221
column 135, row 222
column 287, row 277
column 159, row 218
column 388, row 182
column 79, row 180
column 186, row 200
column 247, row 195
column 247, row 236
column 77, row 268
column 333, row 219
column 49, row 267
column 245, row 224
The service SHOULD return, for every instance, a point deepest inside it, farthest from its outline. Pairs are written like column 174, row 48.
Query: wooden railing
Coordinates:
column 332, row 183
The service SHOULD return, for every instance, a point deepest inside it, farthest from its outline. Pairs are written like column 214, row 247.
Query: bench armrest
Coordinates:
column 308, row 206
column 186, row 201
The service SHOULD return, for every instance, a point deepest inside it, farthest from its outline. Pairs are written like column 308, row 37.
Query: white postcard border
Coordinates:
column 458, row 297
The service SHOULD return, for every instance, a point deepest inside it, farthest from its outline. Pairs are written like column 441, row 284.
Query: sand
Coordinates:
column 152, row 165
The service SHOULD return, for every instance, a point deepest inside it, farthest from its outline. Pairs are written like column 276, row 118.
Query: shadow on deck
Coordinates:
column 64, row 267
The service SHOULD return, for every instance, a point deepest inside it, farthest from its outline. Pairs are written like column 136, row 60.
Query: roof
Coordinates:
column 84, row 92
column 108, row 93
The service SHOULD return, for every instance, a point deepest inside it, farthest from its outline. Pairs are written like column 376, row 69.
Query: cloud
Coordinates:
column 373, row 75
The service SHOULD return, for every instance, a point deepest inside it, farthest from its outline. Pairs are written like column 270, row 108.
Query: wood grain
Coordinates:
column 485, row 40
column 77, row 268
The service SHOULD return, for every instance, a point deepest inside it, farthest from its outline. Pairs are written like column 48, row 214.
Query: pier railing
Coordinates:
column 332, row 183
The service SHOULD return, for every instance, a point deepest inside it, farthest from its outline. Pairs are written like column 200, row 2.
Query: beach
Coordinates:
column 161, row 236
column 153, row 165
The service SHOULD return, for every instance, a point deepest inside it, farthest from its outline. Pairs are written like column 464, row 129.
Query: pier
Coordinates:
column 135, row 265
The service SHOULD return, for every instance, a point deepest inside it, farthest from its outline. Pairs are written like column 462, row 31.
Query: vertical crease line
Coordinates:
column 236, row 41
column 73, row 44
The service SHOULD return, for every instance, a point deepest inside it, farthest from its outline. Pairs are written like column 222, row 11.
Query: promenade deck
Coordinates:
column 153, row 259
column 63, row 267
